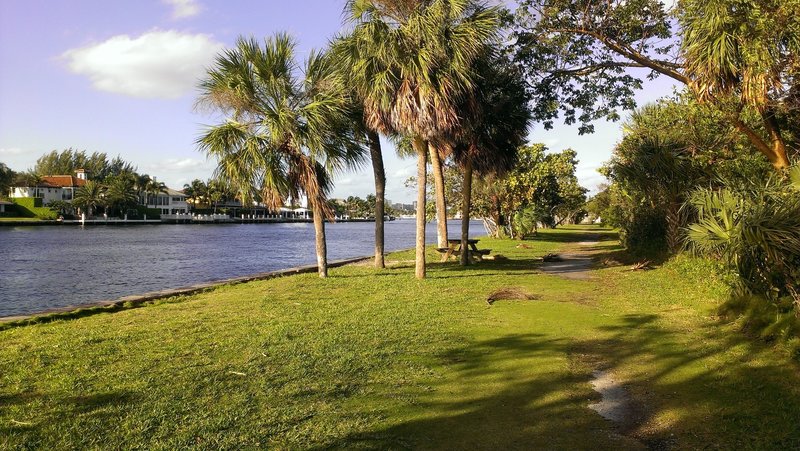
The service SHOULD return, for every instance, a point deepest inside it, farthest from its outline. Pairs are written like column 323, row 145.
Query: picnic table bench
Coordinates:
column 453, row 249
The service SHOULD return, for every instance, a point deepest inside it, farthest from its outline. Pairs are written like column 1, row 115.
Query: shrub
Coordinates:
column 755, row 230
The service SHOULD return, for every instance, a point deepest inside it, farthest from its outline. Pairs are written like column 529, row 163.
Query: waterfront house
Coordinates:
column 172, row 202
column 3, row 205
column 52, row 188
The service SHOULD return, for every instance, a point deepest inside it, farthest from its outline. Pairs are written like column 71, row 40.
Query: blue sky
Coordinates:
column 119, row 77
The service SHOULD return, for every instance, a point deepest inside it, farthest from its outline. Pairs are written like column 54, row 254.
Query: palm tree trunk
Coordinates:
column 422, row 174
column 776, row 153
column 466, row 195
column 781, row 159
column 441, row 200
column 319, row 233
column 380, row 194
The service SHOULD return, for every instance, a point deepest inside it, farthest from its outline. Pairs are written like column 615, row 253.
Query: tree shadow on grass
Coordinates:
column 572, row 236
column 92, row 407
column 505, row 393
column 509, row 267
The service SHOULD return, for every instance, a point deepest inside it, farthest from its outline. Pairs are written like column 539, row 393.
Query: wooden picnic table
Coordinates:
column 453, row 249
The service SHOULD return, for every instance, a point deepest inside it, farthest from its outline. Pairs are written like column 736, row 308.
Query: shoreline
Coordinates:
column 133, row 222
column 135, row 300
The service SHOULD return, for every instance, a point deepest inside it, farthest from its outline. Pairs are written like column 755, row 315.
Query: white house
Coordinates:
column 52, row 187
column 171, row 202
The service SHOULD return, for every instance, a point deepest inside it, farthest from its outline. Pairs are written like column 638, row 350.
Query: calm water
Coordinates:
column 47, row 267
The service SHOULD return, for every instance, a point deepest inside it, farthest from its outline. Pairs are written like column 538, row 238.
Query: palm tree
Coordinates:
column 121, row 194
column 411, row 64
column 496, row 125
column 154, row 188
column 216, row 193
column 89, row 196
column 285, row 133
column 140, row 182
column 197, row 191
column 372, row 139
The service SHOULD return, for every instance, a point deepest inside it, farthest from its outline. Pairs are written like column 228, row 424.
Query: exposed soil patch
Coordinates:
column 510, row 293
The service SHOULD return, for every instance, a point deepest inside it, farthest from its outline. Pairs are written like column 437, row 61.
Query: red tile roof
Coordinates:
column 62, row 181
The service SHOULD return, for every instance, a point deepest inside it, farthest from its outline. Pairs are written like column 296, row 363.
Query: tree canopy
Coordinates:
column 66, row 162
column 740, row 56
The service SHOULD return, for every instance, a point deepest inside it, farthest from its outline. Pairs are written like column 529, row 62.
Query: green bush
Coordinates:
column 152, row 213
column 754, row 229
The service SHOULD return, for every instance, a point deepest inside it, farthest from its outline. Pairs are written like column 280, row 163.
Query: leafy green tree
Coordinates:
column 531, row 189
column 738, row 55
column 7, row 177
column 416, row 59
column 67, row 161
column 286, row 129
column 529, row 194
column 748, row 50
column 669, row 149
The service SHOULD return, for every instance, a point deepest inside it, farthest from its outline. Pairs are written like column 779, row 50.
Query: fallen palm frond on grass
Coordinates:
column 510, row 294
column 641, row 266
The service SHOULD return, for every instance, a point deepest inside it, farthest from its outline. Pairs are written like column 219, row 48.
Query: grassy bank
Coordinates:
column 372, row 359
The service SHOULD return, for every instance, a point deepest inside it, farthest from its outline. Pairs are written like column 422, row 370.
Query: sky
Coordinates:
column 121, row 77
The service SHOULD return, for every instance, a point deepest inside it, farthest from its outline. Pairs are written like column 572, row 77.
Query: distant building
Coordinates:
column 171, row 202
column 63, row 187
column 405, row 207
column 52, row 187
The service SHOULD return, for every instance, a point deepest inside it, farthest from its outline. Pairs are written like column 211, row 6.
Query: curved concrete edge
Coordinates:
column 138, row 299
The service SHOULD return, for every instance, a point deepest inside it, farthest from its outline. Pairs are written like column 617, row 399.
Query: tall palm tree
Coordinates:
column 373, row 142
column 140, row 184
column 412, row 63
column 496, row 125
column 154, row 188
column 437, row 155
column 89, row 196
column 286, row 129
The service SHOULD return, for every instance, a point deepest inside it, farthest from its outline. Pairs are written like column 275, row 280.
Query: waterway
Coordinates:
column 43, row 268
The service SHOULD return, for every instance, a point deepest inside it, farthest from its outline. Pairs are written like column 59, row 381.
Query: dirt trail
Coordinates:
column 616, row 404
column 575, row 265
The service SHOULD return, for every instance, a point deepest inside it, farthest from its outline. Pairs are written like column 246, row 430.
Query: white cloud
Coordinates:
column 181, row 165
column 183, row 8
column 158, row 64
column 11, row 151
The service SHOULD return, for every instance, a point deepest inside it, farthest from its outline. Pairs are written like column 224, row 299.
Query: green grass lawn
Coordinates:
column 376, row 359
column 17, row 219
